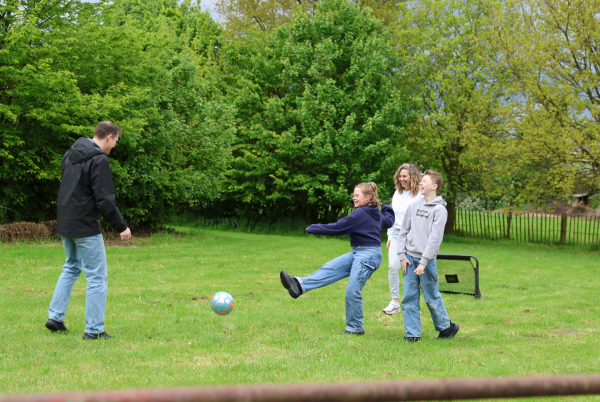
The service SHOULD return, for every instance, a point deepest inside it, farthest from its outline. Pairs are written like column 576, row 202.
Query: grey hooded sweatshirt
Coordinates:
column 423, row 229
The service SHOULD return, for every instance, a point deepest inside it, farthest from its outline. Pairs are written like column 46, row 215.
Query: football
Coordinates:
column 222, row 303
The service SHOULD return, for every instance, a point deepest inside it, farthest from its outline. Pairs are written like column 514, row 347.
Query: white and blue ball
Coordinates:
column 222, row 303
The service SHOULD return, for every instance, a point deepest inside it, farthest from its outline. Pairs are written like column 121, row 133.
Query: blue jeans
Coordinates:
column 87, row 254
column 431, row 292
column 359, row 265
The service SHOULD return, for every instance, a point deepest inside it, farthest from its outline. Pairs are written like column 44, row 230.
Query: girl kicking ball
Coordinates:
column 364, row 226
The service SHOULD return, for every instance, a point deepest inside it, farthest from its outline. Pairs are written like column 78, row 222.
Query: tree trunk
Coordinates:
column 451, row 177
column 451, row 207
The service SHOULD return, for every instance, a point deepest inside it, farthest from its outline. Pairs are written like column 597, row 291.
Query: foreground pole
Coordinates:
column 423, row 390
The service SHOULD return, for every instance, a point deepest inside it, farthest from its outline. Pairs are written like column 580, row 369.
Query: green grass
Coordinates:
column 540, row 317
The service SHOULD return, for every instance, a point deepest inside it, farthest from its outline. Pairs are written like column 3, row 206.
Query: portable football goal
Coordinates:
column 459, row 273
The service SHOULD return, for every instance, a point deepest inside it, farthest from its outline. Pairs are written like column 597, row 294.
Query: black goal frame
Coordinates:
column 464, row 257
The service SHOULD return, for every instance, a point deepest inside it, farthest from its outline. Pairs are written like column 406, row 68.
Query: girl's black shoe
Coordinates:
column 412, row 339
column 291, row 284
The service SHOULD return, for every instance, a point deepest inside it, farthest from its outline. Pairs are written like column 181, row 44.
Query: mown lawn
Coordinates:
column 540, row 316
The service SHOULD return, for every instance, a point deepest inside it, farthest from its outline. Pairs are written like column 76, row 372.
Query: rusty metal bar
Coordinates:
column 421, row 390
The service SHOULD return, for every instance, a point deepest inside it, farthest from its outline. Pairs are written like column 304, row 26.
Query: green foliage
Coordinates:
column 317, row 113
column 242, row 16
column 37, row 102
column 550, row 143
column 143, row 65
column 176, row 158
column 446, row 46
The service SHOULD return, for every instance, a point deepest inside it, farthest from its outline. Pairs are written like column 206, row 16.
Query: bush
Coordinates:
column 317, row 111
column 144, row 65
column 470, row 202
column 284, row 226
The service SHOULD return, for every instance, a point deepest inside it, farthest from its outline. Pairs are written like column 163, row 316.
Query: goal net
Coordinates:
column 458, row 274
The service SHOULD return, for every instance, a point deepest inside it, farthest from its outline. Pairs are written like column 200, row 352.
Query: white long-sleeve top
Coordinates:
column 400, row 203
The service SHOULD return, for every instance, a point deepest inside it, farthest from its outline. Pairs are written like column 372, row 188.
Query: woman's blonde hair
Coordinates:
column 415, row 178
column 369, row 190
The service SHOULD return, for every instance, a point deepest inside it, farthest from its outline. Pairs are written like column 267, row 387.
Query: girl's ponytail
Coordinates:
column 374, row 188
column 370, row 190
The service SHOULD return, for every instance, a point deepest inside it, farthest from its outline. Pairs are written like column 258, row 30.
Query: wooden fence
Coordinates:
column 528, row 227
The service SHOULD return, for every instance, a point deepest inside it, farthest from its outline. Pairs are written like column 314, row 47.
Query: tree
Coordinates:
column 37, row 100
column 146, row 66
column 550, row 48
column 445, row 45
column 317, row 113
column 265, row 15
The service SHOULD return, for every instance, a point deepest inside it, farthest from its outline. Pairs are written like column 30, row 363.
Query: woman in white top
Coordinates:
column 406, row 179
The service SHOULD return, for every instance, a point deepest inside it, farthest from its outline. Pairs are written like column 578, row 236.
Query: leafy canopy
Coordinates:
column 317, row 113
column 446, row 46
column 552, row 140
column 144, row 65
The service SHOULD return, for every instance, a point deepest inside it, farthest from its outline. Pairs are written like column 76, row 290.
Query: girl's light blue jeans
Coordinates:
column 358, row 265
column 411, row 309
column 85, row 254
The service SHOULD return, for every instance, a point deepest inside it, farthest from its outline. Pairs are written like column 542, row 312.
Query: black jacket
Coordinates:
column 86, row 191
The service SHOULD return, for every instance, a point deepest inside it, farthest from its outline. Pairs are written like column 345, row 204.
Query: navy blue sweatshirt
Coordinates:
column 364, row 225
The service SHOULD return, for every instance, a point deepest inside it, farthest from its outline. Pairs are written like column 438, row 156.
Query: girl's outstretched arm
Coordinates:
column 341, row 227
column 388, row 215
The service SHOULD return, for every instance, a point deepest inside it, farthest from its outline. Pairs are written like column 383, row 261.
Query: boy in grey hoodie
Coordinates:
column 418, row 245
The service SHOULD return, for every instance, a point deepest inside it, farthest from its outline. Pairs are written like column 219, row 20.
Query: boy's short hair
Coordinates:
column 436, row 178
column 106, row 128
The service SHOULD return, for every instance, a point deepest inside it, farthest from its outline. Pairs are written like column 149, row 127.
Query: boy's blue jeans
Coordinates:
column 85, row 254
column 358, row 265
column 431, row 292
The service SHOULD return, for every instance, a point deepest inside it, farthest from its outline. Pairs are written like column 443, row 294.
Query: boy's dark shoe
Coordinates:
column 95, row 337
column 291, row 284
column 346, row 332
column 412, row 339
column 55, row 326
column 449, row 332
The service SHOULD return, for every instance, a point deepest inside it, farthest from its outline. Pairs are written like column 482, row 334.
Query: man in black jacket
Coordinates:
column 86, row 192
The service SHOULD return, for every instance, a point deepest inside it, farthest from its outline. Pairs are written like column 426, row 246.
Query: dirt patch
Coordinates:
column 565, row 331
column 113, row 238
column 118, row 243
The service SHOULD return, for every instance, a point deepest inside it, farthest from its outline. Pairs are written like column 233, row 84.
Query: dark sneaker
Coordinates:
column 55, row 326
column 291, row 284
column 449, row 332
column 346, row 332
column 412, row 339
column 95, row 337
